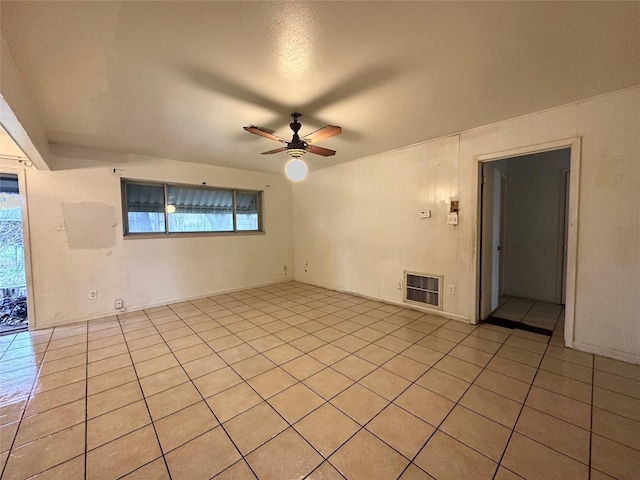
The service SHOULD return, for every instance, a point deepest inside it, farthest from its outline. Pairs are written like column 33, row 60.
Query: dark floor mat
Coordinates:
column 512, row 324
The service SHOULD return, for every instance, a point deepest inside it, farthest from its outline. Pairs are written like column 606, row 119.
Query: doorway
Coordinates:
column 13, row 281
column 524, row 239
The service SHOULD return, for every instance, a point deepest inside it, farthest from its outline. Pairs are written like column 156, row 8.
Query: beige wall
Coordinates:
column 356, row 225
column 91, row 252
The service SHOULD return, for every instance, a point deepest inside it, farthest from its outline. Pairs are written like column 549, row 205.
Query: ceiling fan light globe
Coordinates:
column 296, row 152
column 296, row 170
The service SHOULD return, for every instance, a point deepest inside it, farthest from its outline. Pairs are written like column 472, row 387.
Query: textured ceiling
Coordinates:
column 180, row 79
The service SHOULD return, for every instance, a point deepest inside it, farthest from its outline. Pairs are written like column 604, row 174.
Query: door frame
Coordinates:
column 575, row 146
column 490, row 221
column 26, row 240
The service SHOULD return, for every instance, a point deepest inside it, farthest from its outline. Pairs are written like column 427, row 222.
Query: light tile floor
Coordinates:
column 293, row 381
column 530, row 312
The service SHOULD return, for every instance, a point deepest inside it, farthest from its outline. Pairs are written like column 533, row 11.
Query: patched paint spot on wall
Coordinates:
column 89, row 225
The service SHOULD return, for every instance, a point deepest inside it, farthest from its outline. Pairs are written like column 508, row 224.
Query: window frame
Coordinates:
column 165, row 186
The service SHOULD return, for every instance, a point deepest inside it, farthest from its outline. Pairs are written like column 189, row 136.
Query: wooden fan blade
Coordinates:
column 259, row 131
column 324, row 132
column 325, row 152
column 277, row 150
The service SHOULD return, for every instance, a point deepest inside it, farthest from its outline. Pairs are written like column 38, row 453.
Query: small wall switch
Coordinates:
column 60, row 225
column 452, row 219
column 399, row 284
column 425, row 213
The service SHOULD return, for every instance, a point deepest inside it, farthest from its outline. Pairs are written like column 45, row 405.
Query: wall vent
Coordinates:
column 423, row 289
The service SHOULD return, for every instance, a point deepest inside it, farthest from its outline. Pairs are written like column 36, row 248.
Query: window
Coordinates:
column 145, row 208
column 150, row 208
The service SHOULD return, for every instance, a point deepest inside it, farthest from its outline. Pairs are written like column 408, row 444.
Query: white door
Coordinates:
column 503, row 210
column 565, row 241
column 490, row 250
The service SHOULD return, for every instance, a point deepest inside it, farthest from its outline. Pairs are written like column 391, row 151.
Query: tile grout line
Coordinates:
column 513, row 430
column 86, row 325
column 455, row 404
column 326, row 366
column 560, row 419
column 412, row 383
column 146, row 405
column 26, row 405
column 407, row 347
column 278, row 413
column 267, row 402
column 242, row 457
column 399, row 326
column 524, row 404
column 9, row 343
column 309, row 351
column 398, row 353
column 298, row 382
column 615, row 375
column 52, row 389
column 531, row 308
column 325, row 401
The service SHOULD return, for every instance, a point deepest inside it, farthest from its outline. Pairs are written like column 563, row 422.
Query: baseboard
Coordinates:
column 606, row 352
column 135, row 308
column 437, row 313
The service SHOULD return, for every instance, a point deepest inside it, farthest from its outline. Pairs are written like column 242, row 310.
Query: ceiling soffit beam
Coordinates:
column 18, row 114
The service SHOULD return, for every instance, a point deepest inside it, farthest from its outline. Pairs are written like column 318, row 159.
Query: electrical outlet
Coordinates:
column 118, row 303
column 93, row 294
column 399, row 284
column 451, row 289
column 285, row 270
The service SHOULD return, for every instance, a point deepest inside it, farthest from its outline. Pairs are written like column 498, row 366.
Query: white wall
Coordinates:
column 357, row 223
column 143, row 272
column 534, row 226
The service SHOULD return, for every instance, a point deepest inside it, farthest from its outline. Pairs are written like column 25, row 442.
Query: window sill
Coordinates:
column 132, row 236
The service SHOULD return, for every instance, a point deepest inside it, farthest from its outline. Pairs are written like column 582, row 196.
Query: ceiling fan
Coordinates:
column 297, row 147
